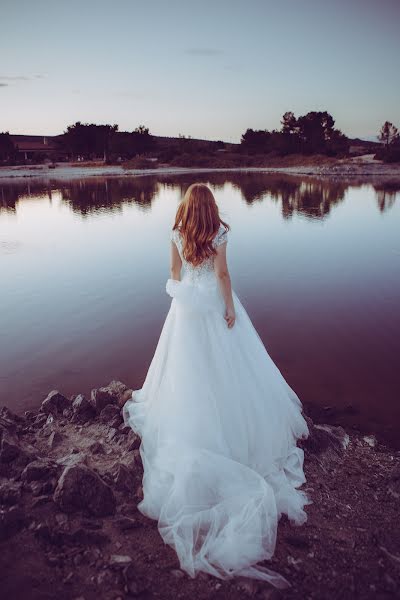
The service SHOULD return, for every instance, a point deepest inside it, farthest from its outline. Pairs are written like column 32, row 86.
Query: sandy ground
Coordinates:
column 359, row 166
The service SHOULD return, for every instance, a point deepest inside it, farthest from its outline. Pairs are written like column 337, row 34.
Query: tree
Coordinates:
column 127, row 145
column 315, row 130
column 289, row 123
column 7, row 148
column 388, row 134
column 89, row 140
column 256, row 141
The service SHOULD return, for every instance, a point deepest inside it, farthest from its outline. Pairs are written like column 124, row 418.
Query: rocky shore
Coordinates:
column 70, row 481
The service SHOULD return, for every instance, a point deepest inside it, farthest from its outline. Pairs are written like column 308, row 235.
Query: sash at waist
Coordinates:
column 198, row 297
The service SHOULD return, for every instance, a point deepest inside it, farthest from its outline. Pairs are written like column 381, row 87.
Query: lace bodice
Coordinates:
column 204, row 271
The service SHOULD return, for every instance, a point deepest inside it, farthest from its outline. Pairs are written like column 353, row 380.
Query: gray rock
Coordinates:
column 92, row 523
column 116, row 422
column 109, row 412
column 40, row 500
column 55, row 439
column 11, row 521
column 38, row 470
column 119, row 561
column 36, row 488
column 124, row 479
column 10, row 492
column 325, row 438
column 111, row 434
column 9, row 420
column 54, row 403
column 80, row 488
column 82, row 409
column 370, row 440
column 75, row 458
column 40, row 420
column 29, row 414
column 126, row 523
column 10, row 448
column 124, row 429
column 110, row 394
column 97, row 448
column 133, row 441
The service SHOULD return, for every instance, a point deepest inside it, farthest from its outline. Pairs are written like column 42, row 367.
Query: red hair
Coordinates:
column 198, row 221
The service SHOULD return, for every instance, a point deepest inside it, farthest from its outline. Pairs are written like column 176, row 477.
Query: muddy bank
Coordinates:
column 70, row 481
column 351, row 167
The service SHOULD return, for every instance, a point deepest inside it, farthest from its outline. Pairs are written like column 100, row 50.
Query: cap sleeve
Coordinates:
column 221, row 237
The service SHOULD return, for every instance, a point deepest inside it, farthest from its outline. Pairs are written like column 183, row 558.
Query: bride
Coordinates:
column 218, row 422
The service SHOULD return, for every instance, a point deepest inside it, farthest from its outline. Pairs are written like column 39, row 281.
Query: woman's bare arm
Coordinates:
column 175, row 263
column 224, row 281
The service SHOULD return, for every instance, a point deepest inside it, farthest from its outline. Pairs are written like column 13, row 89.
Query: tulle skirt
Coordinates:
column 218, row 426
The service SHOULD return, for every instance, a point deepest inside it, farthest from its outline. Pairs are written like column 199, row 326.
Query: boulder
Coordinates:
column 82, row 409
column 323, row 438
column 39, row 470
column 80, row 488
column 109, row 412
column 54, row 403
column 110, row 394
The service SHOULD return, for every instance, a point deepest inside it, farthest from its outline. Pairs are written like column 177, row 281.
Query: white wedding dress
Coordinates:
column 218, row 426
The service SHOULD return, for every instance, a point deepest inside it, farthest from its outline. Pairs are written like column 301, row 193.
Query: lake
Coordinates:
column 316, row 264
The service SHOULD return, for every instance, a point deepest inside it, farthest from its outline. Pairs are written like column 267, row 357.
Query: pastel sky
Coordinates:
column 208, row 69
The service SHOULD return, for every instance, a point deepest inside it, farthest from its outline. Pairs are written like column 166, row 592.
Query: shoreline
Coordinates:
column 70, row 481
column 341, row 169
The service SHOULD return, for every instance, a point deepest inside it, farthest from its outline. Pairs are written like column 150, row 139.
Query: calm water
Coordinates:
column 316, row 264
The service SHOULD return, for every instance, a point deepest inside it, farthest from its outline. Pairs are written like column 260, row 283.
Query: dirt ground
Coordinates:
column 348, row 548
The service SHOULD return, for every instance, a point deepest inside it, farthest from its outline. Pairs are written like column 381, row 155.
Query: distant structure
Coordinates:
column 35, row 146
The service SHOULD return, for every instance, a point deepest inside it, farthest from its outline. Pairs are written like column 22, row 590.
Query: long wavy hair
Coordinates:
column 198, row 221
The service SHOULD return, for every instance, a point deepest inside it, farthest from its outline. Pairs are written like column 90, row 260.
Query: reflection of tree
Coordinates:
column 87, row 196
column 312, row 198
column 386, row 193
column 309, row 196
column 10, row 194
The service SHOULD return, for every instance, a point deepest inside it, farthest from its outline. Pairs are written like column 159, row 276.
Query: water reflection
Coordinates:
column 84, row 297
column 312, row 198
column 386, row 193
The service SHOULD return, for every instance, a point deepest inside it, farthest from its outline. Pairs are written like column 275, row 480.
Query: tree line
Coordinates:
column 313, row 133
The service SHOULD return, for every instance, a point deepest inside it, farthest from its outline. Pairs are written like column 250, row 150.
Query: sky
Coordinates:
column 206, row 69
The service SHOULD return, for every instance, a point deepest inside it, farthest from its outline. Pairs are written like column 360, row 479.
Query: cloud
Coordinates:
column 14, row 78
column 3, row 84
column 203, row 51
column 7, row 79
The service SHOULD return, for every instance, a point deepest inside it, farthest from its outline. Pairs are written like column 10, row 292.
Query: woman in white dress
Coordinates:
column 218, row 422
